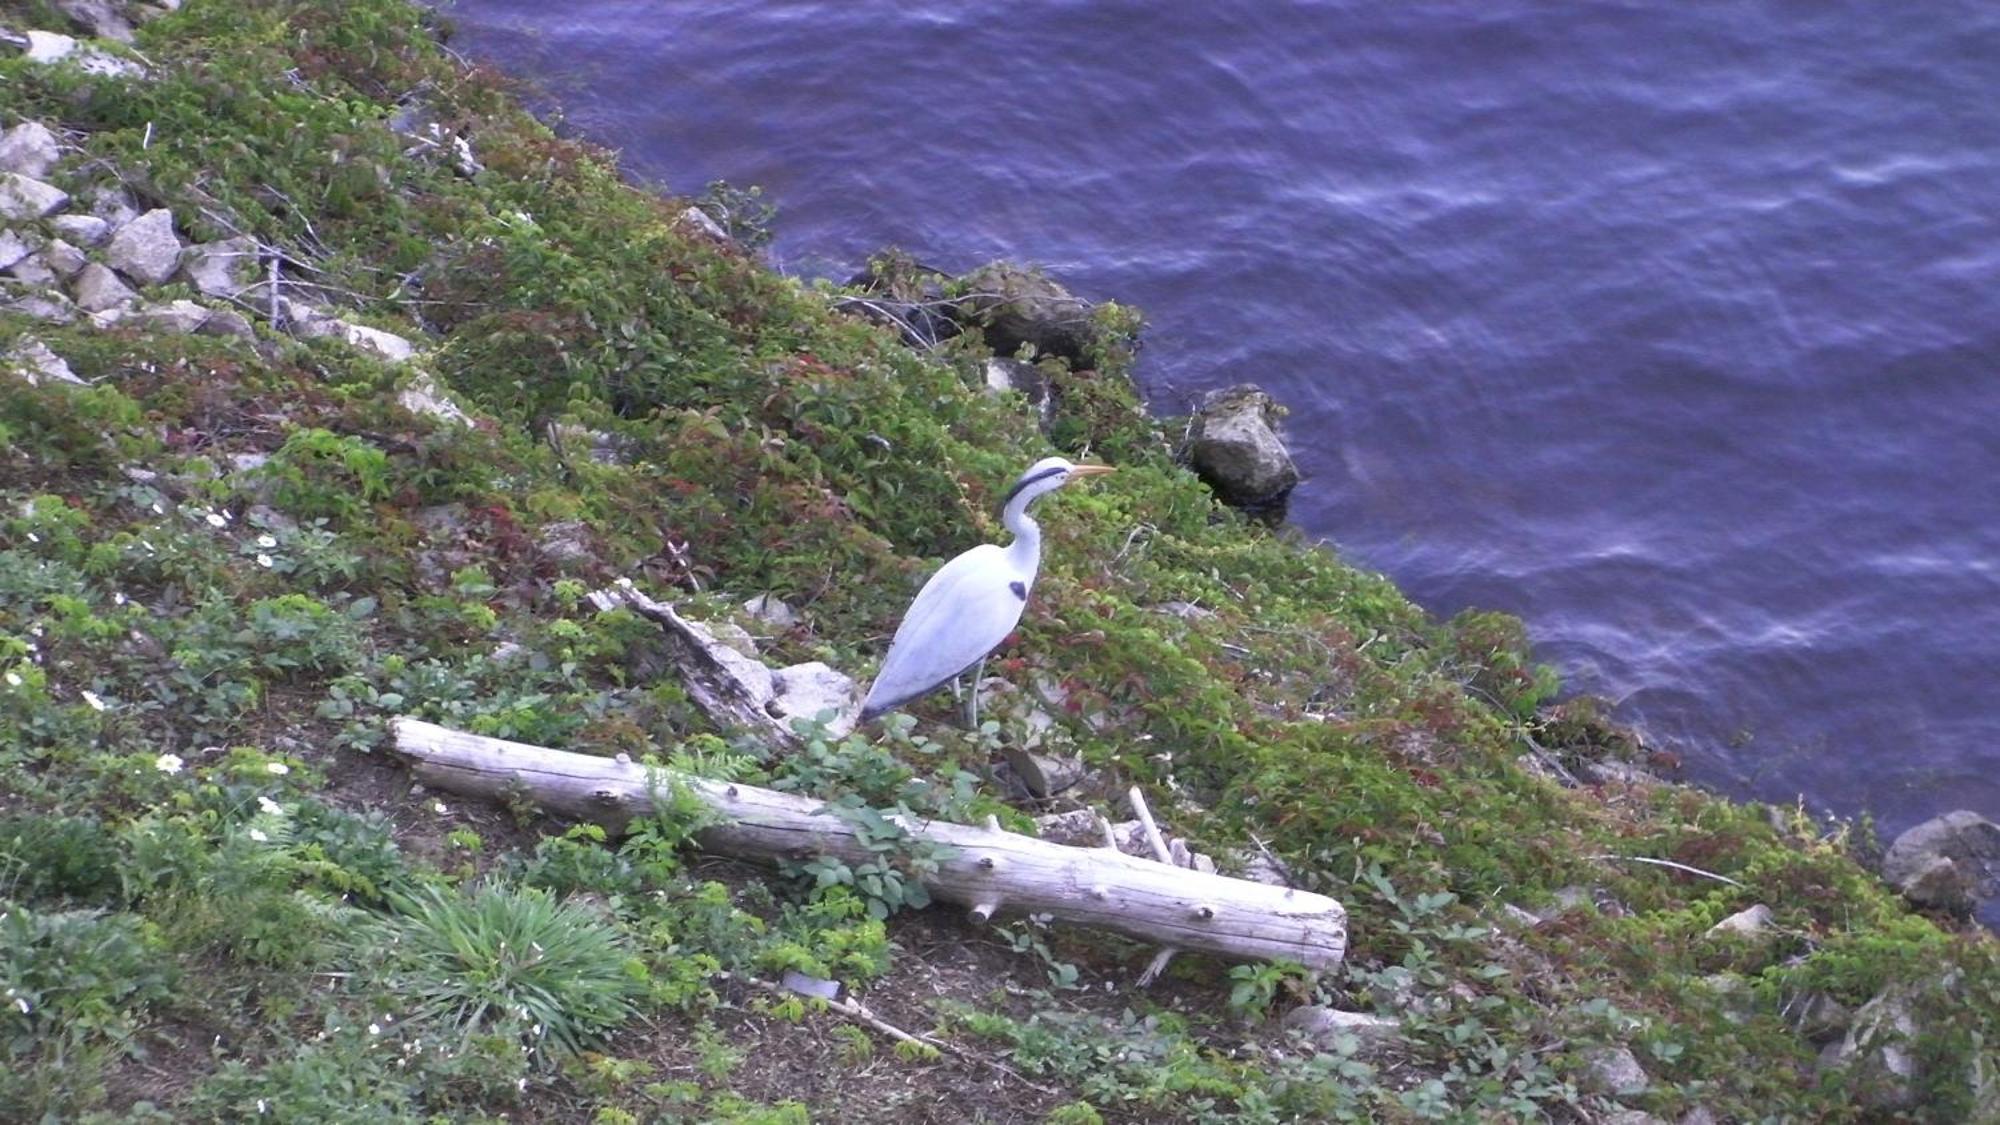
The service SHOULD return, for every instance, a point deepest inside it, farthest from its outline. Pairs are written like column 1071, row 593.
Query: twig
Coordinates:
column 1669, row 863
column 859, row 1013
column 1145, row 816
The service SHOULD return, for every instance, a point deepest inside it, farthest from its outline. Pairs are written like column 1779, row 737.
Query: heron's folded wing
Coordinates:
column 960, row 615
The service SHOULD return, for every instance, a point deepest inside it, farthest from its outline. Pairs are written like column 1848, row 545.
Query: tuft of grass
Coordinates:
column 505, row 960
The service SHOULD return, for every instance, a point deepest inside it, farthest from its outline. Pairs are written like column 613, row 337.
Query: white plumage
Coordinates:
column 968, row 607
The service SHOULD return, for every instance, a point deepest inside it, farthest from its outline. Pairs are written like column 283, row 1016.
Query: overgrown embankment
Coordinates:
column 258, row 529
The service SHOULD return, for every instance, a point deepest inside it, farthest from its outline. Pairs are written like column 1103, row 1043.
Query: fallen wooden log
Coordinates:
column 987, row 869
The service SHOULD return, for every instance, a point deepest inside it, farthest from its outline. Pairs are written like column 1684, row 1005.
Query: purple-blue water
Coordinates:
column 1673, row 328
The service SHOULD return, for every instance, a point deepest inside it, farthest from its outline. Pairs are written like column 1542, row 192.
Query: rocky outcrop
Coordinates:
column 1016, row 307
column 1948, row 862
column 1235, row 447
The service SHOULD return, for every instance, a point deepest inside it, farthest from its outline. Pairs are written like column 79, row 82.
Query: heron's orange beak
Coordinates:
column 1090, row 470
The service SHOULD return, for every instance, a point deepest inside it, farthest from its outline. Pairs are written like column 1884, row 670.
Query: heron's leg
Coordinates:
column 971, row 713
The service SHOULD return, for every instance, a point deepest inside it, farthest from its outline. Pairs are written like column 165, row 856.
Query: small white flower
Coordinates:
column 279, row 768
column 267, row 541
column 168, row 763
column 216, row 519
column 118, row 598
column 157, row 509
column 270, row 807
column 263, row 1107
column 257, row 835
column 13, row 679
column 33, row 538
column 374, row 1029
column 21, row 1002
column 91, row 698
column 263, row 560
column 438, row 806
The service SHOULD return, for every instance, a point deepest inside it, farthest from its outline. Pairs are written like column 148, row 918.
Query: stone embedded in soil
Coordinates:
column 24, row 197
column 82, row 230
column 29, row 149
column 1323, row 1025
column 97, row 289
column 100, row 18
column 63, row 258
column 48, row 305
column 13, row 248
column 146, row 249
column 424, row 396
column 1947, row 862
column 32, row 360
column 1751, row 923
column 1615, row 1071
column 33, row 270
column 222, row 269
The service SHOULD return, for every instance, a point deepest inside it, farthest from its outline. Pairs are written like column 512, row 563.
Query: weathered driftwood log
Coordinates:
column 987, row 870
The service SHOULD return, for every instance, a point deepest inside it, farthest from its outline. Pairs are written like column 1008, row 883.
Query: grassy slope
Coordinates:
column 220, row 938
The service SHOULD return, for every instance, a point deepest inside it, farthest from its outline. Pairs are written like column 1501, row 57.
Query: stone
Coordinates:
column 48, row 47
column 24, row 197
column 805, row 691
column 1044, row 775
column 567, row 543
column 1236, row 448
column 29, row 149
column 699, row 221
column 96, row 289
column 1322, row 1025
column 1817, row 1016
column 228, row 322
column 180, row 317
column 1004, row 374
column 1948, row 862
column 100, row 18
column 1734, row 999
column 1612, row 771
column 1015, row 307
column 1076, row 828
column 1877, row 1052
column 424, row 396
column 33, row 270
column 1754, row 922
column 33, row 361
column 146, row 249
column 82, row 230
column 63, row 258
column 114, row 205
column 387, row 345
column 50, row 306
column 1519, row 917
column 1614, row 1071
column 13, row 248
column 772, row 611
column 1630, row 1117
column 222, row 269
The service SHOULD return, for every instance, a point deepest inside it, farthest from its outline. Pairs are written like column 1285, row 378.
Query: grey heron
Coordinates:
column 968, row 607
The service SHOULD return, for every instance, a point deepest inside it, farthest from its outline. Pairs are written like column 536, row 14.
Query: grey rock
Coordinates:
column 50, row 306
column 97, row 289
column 1261, row 868
column 228, row 322
column 181, row 317
column 13, row 248
column 1734, row 998
column 1614, row 1071
column 146, row 249
column 1947, row 862
column 114, row 205
column 1186, row 611
column 24, row 197
column 1699, row 1115
column 1817, row 1016
column 29, row 149
column 1520, row 918
column 567, row 543
column 1612, row 771
column 47, row 47
column 805, row 691
column 424, row 396
column 33, row 361
column 100, row 18
column 222, row 269
column 33, row 270
column 83, row 230
column 1004, row 374
column 772, row 611
column 1014, row 307
column 387, row 345
column 63, row 258
column 1236, row 448
column 1630, row 1117
column 1044, row 775
column 1878, row 1051
column 1751, row 923
column 1323, row 1024
column 1077, row 828
column 699, row 221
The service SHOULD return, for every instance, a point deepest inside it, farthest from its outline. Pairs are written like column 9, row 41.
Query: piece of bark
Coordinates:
column 989, row 869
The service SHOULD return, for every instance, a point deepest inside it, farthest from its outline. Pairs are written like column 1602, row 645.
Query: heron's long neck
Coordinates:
column 1025, row 552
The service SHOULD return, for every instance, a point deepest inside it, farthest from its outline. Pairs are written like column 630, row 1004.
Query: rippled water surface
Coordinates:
column 1674, row 328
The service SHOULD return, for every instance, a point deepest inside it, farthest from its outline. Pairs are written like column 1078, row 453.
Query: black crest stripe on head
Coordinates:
column 1024, row 482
